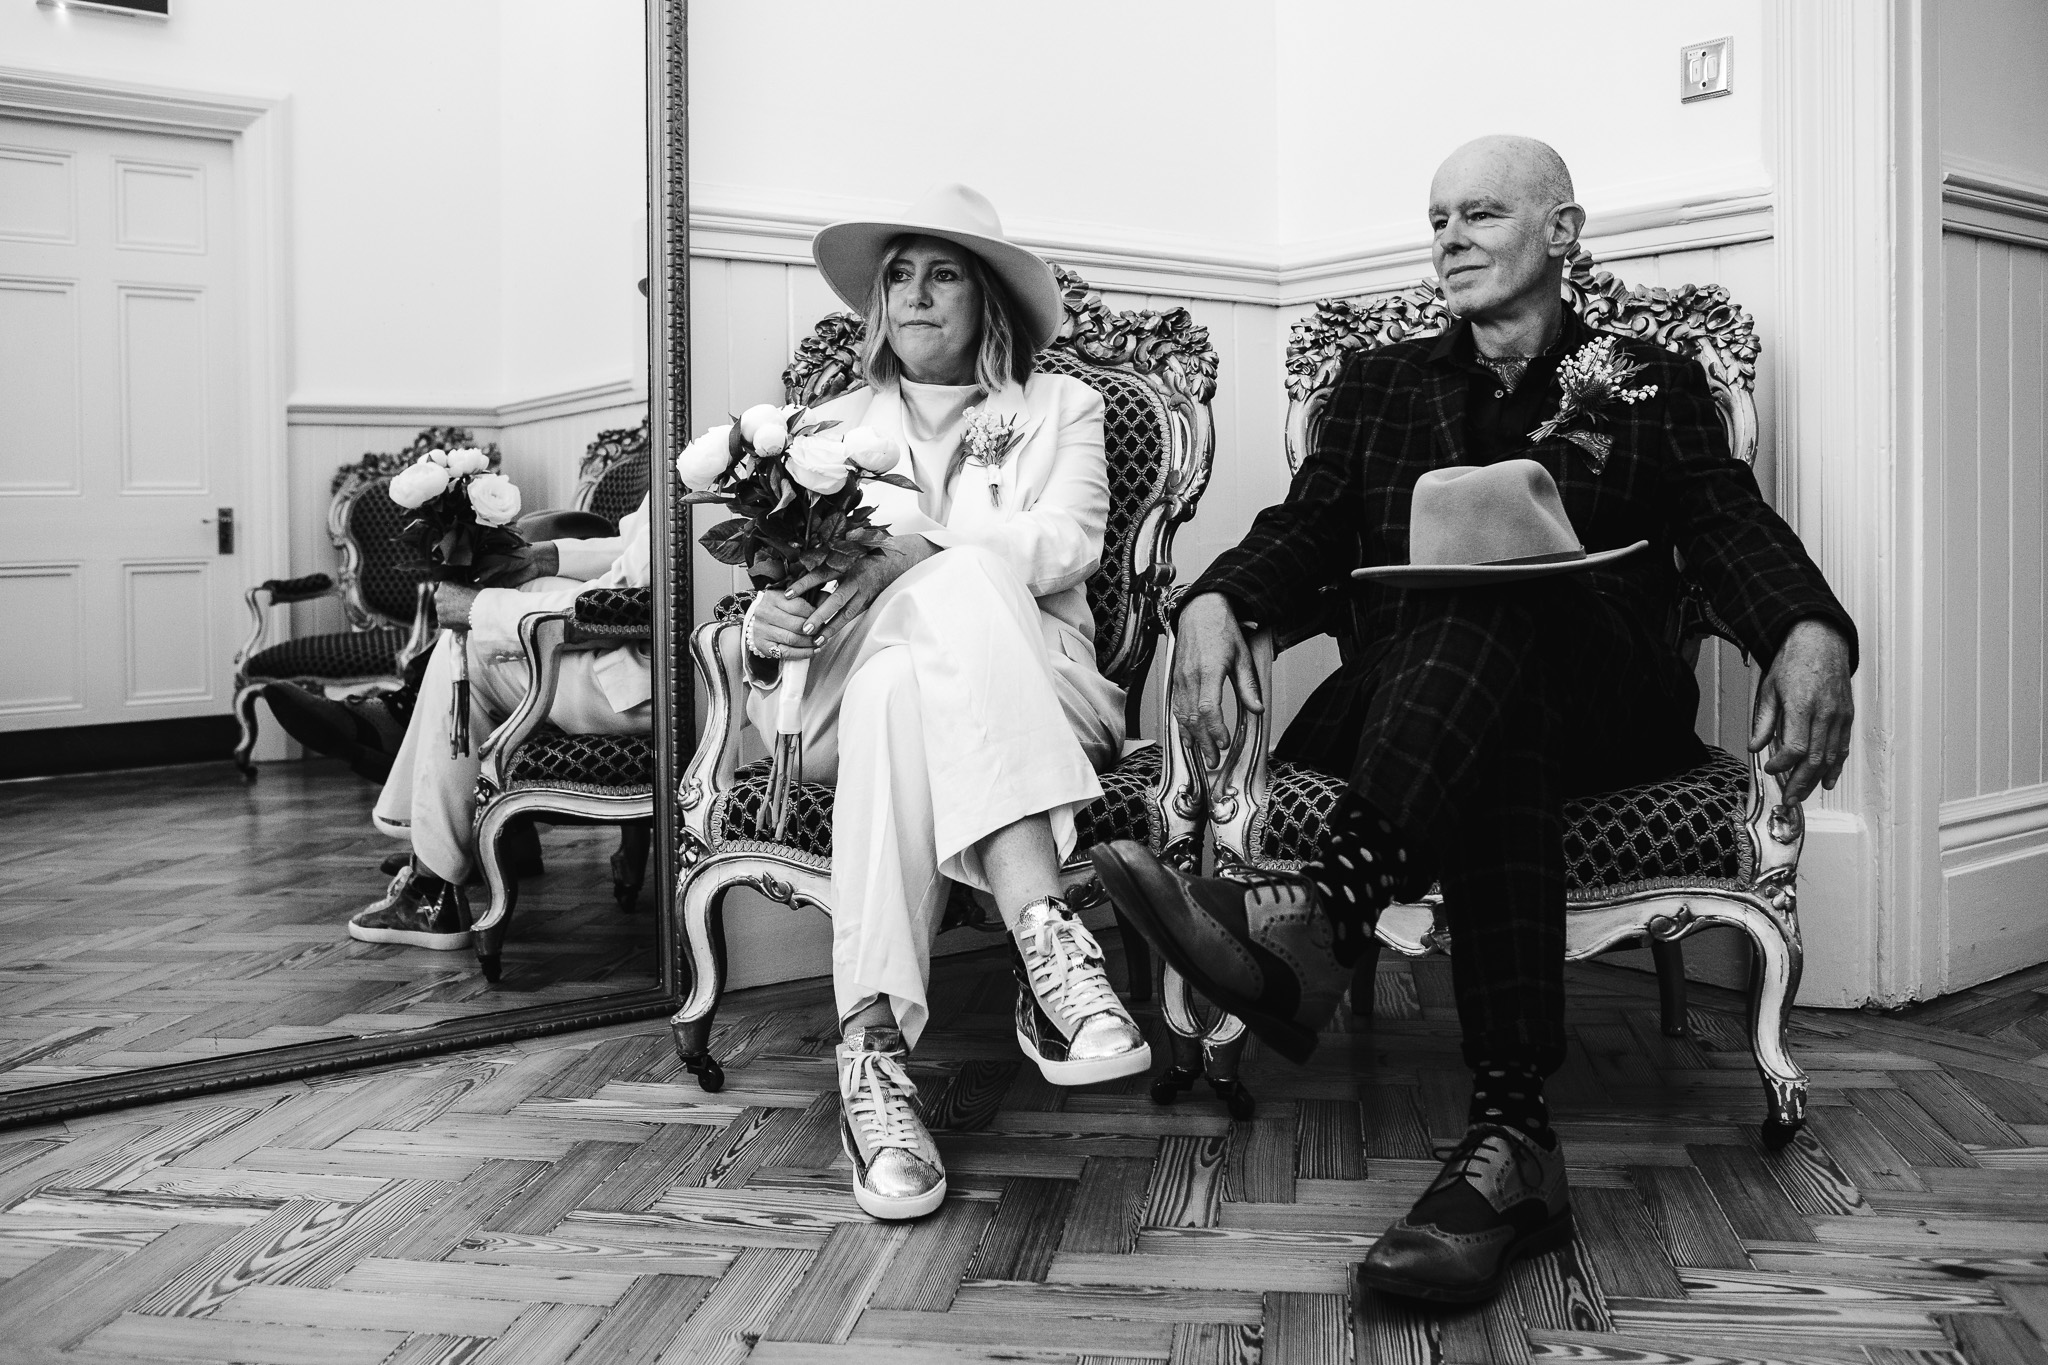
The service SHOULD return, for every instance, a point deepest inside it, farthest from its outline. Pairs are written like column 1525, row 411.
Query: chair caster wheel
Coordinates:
column 494, row 967
column 710, row 1075
column 1235, row 1097
column 1168, row 1085
column 1779, row 1132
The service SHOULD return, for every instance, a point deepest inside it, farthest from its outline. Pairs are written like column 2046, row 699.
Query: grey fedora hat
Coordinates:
column 1488, row 524
column 849, row 253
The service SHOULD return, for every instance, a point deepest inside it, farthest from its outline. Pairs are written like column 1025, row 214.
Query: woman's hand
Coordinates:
column 778, row 626
column 862, row 584
column 452, row 602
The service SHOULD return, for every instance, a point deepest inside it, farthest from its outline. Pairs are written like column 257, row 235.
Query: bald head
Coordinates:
column 1502, row 220
column 1528, row 171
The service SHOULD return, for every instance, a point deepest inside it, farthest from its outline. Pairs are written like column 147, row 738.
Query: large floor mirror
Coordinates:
column 455, row 227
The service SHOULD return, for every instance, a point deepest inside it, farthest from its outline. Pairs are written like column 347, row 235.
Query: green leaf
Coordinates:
column 894, row 480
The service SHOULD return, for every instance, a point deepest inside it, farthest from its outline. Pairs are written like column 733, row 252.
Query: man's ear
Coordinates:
column 1567, row 221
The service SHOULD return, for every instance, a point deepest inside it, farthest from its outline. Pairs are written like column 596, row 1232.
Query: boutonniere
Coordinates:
column 1593, row 379
column 988, row 441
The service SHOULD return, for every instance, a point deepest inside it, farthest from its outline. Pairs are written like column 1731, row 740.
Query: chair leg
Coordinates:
column 1669, row 956
column 1775, row 968
column 491, row 851
column 1364, row 977
column 629, row 865
column 702, row 924
column 1137, row 961
column 245, row 712
column 1206, row 1042
column 1184, row 1036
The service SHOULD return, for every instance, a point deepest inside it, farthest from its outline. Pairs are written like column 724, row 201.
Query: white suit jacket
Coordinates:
column 624, row 672
column 1054, row 505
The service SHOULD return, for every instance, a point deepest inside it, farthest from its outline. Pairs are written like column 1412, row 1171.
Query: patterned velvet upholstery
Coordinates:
column 303, row 589
column 624, row 612
column 1687, row 828
column 1134, row 437
column 345, row 654
column 614, row 473
column 390, row 572
column 741, row 811
column 621, row 764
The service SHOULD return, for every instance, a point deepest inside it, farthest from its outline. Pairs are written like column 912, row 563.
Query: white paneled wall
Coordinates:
column 1992, row 553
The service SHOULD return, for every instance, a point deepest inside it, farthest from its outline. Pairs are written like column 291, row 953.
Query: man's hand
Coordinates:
column 452, row 602
column 1806, row 707
column 786, row 619
column 1209, row 647
column 523, row 565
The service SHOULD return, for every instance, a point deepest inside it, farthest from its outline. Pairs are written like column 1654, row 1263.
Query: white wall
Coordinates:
column 1993, row 75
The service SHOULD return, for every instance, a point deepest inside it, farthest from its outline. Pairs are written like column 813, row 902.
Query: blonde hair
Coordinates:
column 1005, row 354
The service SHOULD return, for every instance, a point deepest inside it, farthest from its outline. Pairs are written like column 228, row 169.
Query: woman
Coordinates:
column 953, row 695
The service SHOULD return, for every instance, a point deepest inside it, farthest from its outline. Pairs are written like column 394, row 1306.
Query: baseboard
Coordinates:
column 113, row 748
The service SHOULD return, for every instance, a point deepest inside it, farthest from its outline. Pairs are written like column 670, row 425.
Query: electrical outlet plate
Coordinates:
column 1703, row 70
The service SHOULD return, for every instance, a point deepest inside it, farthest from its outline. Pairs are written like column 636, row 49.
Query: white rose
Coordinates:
column 765, row 428
column 419, row 483
column 470, row 461
column 704, row 461
column 439, row 457
column 872, row 451
column 495, row 498
column 818, row 463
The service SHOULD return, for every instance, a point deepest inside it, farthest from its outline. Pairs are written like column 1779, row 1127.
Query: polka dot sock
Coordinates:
column 1511, row 1093
column 1361, row 864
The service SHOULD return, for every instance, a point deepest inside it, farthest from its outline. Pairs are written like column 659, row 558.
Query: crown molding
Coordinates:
column 780, row 231
column 1979, row 199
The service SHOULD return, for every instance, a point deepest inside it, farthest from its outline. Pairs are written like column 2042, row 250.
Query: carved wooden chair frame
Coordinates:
column 374, row 470
column 1697, row 321
column 611, row 449
column 1170, row 354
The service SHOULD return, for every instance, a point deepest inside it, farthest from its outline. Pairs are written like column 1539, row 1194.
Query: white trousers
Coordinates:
column 430, row 797
column 944, row 713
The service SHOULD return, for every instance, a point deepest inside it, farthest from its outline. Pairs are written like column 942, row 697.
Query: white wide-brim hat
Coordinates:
column 850, row 253
column 1488, row 524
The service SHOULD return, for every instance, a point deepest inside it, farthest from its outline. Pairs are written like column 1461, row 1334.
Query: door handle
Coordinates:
column 223, row 520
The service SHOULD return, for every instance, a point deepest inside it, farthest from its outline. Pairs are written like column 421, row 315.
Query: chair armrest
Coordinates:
column 277, row 592
column 542, row 635
column 1777, row 831
column 1179, row 799
column 613, row 614
column 715, row 646
column 1237, row 789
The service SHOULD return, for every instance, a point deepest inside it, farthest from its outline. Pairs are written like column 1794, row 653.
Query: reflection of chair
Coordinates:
column 382, row 590
column 613, row 476
column 1713, row 846
column 1157, row 374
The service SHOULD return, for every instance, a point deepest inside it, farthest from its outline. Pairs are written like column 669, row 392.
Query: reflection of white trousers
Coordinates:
column 430, row 796
column 944, row 713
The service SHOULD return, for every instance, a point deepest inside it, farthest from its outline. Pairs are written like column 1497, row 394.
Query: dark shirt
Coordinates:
column 1497, row 421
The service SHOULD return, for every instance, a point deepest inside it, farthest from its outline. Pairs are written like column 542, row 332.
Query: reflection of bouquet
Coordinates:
column 461, row 512
column 1592, row 378
column 795, row 486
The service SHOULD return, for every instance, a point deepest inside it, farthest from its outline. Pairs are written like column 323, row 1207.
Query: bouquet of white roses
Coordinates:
column 795, row 485
column 461, row 526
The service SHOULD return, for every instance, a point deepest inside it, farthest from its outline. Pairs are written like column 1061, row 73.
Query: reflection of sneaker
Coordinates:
column 1500, row 1197
column 1069, row 1020
column 896, row 1168
column 417, row 909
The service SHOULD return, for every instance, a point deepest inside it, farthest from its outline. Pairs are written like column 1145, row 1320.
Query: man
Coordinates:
column 429, row 797
column 1465, row 715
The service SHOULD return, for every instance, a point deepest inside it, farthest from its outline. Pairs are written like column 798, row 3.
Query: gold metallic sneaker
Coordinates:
column 896, row 1168
column 1069, row 1019
column 420, row 911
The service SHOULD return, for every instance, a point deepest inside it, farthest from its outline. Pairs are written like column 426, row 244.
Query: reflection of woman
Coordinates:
column 953, row 695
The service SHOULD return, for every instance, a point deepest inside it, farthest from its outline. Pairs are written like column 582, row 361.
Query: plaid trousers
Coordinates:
column 1471, row 722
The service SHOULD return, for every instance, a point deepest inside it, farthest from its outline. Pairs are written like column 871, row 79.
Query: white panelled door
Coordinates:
column 120, row 438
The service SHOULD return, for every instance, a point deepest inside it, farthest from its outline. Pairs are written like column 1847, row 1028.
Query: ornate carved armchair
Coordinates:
column 1654, row 863
column 1156, row 373
column 383, row 591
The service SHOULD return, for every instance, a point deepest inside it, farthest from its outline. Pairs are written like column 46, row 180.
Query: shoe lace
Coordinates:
column 878, row 1094
column 1066, row 969
column 1474, row 1152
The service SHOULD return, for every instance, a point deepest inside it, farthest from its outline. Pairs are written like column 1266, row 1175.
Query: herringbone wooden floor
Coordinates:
column 575, row 1198
column 162, row 916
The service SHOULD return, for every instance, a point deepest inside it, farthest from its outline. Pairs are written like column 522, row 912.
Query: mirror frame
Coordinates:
column 674, row 720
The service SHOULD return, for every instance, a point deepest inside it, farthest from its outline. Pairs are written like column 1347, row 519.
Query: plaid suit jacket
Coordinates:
column 1399, row 411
